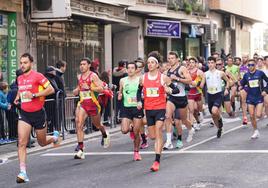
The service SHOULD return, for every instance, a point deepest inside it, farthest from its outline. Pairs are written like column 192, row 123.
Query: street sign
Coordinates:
column 163, row 28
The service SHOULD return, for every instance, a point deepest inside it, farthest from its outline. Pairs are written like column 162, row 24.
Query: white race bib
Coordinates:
column 85, row 95
column 253, row 83
column 23, row 98
column 152, row 92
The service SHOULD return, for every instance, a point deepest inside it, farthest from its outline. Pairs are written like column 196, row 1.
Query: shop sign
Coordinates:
column 12, row 47
column 163, row 28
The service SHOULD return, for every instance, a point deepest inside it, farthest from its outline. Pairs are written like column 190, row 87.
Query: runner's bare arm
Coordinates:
column 203, row 82
column 121, row 83
column 224, row 77
column 187, row 77
column 76, row 90
column 98, row 84
column 139, row 91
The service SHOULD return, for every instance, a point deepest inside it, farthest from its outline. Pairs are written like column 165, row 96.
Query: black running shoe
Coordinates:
column 219, row 132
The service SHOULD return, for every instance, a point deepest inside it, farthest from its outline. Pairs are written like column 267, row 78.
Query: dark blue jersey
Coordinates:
column 254, row 81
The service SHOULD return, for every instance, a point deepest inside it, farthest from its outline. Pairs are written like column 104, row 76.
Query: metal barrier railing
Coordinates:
column 60, row 116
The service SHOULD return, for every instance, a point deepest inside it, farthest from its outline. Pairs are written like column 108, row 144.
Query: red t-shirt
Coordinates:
column 154, row 93
column 33, row 82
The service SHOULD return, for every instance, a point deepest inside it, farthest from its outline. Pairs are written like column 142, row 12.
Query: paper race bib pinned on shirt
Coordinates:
column 152, row 92
column 253, row 83
column 132, row 100
column 23, row 97
column 85, row 95
column 212, row 90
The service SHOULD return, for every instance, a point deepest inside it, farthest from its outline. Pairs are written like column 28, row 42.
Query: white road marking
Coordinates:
column 164, row 152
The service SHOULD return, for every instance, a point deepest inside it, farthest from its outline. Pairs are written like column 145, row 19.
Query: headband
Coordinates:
column 152, row 58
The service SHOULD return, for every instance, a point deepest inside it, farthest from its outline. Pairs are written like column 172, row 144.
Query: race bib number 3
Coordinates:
column 23, row 98
column 84, row 95
column 152, row 92
column 253, row 83
column 212, row 90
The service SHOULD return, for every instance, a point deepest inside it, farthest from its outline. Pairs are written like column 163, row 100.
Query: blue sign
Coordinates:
column 163, row 28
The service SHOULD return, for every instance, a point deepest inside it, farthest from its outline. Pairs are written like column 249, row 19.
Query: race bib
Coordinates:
column 253, row 83
column 212, row 90
column 23, row 97
column 85, row 95
column 132, row 100
column 152, row 92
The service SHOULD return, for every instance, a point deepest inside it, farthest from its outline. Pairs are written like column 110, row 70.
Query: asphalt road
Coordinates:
column 232, row 161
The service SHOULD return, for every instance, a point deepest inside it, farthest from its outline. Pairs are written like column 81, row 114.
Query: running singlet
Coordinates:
column 84, row 89
column 213, row 81
column 234, row 70
column 177, row 84
column 243, row 70
column 33, row 82
column 130, row 89
column 194, row 90
column 255, row 84
column 154, row 93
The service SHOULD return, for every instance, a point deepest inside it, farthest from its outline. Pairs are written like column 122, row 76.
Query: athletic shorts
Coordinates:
column 179, row 102
column 196, row 97
column 152, row 116
column 131, row 113
column 214, row 100
column 90, row 107
column 254, row 102
column 36, row 119
column 226, row 98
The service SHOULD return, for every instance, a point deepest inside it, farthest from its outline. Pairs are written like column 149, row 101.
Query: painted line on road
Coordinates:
column 164, row 152
column 211, row 138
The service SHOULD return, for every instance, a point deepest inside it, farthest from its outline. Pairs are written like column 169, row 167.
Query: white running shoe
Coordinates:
column 255, row 135
column 190, row 135
column 168, row 146
column 197, row 126
column 80, row 155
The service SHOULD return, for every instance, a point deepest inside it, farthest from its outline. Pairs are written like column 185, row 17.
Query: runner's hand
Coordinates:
column 139, row 105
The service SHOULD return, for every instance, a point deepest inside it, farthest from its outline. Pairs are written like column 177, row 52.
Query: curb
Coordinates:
column 14, row 155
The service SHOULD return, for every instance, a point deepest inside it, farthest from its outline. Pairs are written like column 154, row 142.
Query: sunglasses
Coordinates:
column 251, row 65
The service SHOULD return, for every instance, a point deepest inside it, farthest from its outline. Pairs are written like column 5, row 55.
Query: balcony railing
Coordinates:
column 154, row 2
column 189, row 6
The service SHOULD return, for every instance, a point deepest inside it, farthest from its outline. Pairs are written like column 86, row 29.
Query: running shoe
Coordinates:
column 168, row 146
column 245, row 122
column 219, row 132
column 179, row 144
column 155, row 167
column 22, row 177
column 137, row 156
column 80, row 155
column 56, row 135
column 144, row 145
column 106, row 141
column 255, row 135
column 190, row 135
column 197, row 126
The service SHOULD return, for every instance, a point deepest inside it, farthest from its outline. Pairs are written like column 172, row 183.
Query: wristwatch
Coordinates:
column 34, row 95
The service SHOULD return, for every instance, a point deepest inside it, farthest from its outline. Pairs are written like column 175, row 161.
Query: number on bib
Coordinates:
column 84, row 95
column 152, row 92
column 132, row 100
column 212, row 90
column 253, row 83
column 23, row 97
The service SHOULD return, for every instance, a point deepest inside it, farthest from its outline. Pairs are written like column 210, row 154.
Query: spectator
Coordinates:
column 12, row 115
column 60, row 70
column 118, row 73
column 4, row 105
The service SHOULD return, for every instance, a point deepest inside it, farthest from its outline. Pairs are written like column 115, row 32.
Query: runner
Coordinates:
column 153, row 86
column 139, row 72
column 195, row 93
column 226, row 98
column 243, row 92
column 130, row 114
column 179, row 76
column 254, row 80
column 88, row 106
column 213, row 78
column 234, row 70
column 33, row 87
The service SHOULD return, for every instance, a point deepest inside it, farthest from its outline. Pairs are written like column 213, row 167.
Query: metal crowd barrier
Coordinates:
column 60, row 116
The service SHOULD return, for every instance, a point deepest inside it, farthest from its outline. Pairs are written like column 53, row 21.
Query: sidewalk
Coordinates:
column 9, row 151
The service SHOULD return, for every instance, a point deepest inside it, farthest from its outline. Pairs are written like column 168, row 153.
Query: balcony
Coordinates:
column 150, row 6
column 194, row 7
